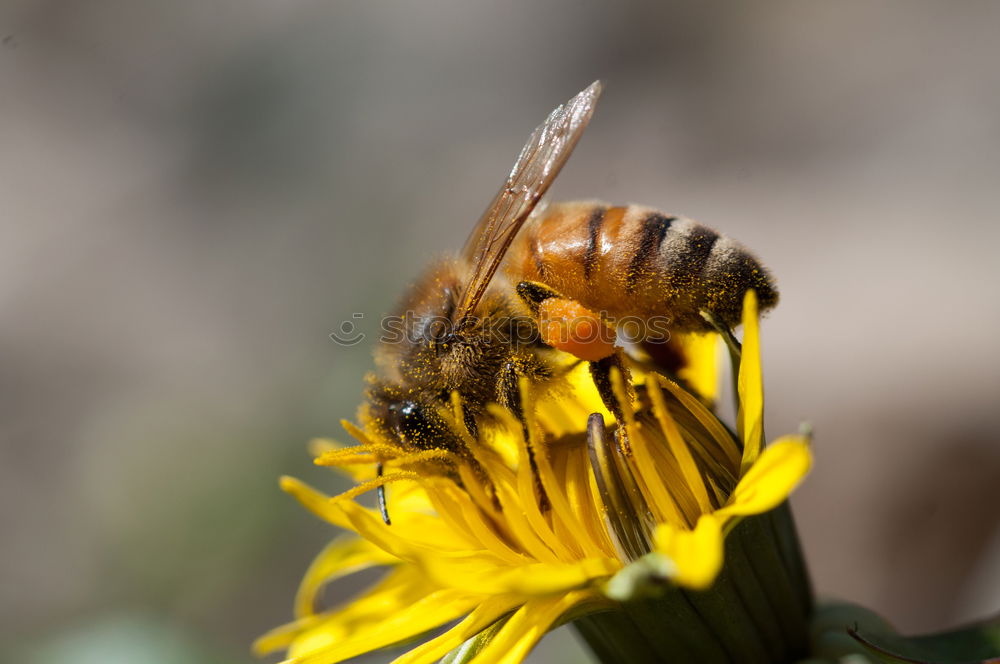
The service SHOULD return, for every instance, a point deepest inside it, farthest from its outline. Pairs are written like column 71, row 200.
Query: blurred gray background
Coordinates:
column 195, row 194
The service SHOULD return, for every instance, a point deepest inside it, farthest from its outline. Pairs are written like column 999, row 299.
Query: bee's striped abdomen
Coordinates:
column 636, row 261
column 655, row 227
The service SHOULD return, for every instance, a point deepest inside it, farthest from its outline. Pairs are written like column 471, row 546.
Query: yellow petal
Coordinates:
column 771, row 479
column 680, row 450
column 283, row 635
column 528, row 625
column 456, row 507
column 406, row 538
column 702, row 369
column 724, row 448
column 557, row 491
column 527, row 484
column 697, row 554
column 314, row 501
column 409, row 532
column 321, row 446
column 482, row 617
column 484, row 574
column 342, row 556
column 565, row 411
column 750, row 385
column 516, row 520
column 397, row 590
column 396, row 624
column 582, row 496
column 408, row 497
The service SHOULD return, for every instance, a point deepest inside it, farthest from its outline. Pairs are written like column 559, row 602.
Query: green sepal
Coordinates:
column 978, row 643
column 756, row 611
column 828, row 637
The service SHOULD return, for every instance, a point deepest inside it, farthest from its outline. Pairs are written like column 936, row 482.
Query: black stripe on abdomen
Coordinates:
column 654, row 229
column 594, row 224
column 701, row 240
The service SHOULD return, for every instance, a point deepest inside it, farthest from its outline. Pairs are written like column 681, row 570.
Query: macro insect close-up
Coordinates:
column 306, row 360
column 474, row 320
column 514, row 499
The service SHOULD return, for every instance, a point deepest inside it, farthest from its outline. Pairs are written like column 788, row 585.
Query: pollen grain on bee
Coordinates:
column 515, row 330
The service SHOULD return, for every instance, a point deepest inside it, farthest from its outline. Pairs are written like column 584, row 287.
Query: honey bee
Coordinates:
column 477, row 321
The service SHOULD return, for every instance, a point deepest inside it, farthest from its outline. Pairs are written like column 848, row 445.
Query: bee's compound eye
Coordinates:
column 415, row 425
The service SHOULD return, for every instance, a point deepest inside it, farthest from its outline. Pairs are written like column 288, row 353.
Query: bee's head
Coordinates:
column 409, row 419
column 416, row 425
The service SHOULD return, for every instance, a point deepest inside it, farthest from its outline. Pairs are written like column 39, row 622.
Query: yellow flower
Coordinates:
column 529, row 531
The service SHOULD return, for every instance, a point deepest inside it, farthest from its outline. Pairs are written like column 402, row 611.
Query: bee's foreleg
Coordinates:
column 509, row 387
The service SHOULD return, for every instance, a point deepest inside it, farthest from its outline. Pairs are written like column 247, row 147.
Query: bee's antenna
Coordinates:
column 380, row 492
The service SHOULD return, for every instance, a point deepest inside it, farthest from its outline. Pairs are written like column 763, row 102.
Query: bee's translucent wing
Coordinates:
column 536, row 167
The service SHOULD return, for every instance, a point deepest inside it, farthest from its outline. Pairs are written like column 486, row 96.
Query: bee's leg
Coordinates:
column 509, row 389
column 380, row 493
column 533, row 294
column 509, row 395
column 470, row 422
column 600, row 371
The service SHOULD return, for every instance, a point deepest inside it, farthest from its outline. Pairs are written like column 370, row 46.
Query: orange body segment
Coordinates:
column 571, row 327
